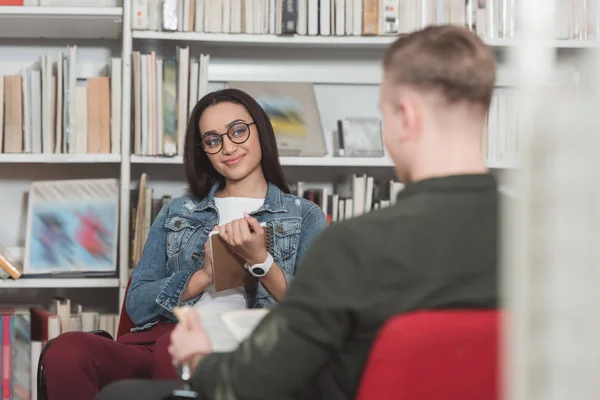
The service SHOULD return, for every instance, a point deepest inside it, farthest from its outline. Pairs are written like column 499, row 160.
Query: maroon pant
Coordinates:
column 77, row 365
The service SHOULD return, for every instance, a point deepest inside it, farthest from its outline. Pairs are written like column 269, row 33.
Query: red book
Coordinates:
column 5, row 350
column 11, row 2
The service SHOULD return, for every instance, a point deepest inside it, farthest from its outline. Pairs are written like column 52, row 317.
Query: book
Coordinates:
column 228, row 268
column 9, row 264
column 225, row 329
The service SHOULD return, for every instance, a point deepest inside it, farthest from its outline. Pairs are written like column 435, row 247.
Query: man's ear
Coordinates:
column 411, row 119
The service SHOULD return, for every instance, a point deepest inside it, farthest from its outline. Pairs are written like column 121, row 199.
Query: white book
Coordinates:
column 115, row 105
column 249, row 16
column 340, row 17
column 236, row 16
column 226, row 16
column 81, row 119
column 226, row 330
column 357, row 17
column 154, row 15
column 48, row 93
column 216, row 17
column 139, row 14
column 183, row 64
column 137, row 101
column 208, row 5
column 152, row 104
column 25, row 79
column 72, row 76
column 349, row 18
column 273, row 16
column 35, row 92
column 180, row 16
column 203, row 75
column 359, row 187
column 160, row 128
column 199, row 18
column 144, row 104
column 194, row 76
column 186, row 15
column 325, row 17
column 59, row 102
column 257, row 16
column 313, row 17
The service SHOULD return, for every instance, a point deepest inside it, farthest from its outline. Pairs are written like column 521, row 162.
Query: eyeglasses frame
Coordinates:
column 220, row 135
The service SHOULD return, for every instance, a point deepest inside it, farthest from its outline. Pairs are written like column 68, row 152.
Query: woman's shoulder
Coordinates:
column 185, row 203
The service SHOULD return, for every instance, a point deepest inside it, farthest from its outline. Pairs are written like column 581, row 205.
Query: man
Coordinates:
column 436, row 248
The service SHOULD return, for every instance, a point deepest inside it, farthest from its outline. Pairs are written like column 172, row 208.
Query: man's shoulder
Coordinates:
column 356, row 231
column 375, row 220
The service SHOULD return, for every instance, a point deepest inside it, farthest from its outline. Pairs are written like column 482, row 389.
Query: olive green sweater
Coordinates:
column 436, row 248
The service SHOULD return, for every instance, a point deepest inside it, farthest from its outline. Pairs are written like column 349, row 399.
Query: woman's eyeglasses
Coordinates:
column 238, row 133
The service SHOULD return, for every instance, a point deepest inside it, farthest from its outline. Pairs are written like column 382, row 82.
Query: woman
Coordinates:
column 236, row 183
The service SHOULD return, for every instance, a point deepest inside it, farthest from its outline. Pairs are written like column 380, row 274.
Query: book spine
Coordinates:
column 289, row 17
column 5, row 379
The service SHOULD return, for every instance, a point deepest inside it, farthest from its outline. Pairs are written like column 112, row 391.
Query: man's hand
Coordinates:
column 246, row 238
column 189, row 340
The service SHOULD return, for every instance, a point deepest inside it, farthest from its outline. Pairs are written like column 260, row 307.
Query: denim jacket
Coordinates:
column 174, row 250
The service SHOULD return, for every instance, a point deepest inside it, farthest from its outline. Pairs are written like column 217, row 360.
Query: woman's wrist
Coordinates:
column 258, row 258
column 198, row 282
column 202, row 279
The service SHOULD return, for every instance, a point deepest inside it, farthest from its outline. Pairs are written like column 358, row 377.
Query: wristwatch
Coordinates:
column 260, row 270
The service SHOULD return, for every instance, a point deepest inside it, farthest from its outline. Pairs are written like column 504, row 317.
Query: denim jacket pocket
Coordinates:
column 179, row 232
column 285, row 233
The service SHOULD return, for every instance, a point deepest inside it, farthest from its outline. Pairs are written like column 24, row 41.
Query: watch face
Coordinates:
column 258, row 271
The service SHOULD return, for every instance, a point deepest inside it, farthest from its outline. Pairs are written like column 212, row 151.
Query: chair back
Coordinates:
column 435, row 355
column 125, row 323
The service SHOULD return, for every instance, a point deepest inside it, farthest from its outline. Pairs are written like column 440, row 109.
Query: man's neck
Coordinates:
column 452, row 158
column 254, row 186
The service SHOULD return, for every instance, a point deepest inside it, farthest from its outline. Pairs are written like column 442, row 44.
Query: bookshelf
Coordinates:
column 64, row 283
column 347, row 42
column 326, row 161
column 342, row 67
column 61, row 22
column 60, row 158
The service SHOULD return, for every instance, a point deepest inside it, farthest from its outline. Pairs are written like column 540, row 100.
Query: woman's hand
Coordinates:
column 246, row 238
column 189, row 341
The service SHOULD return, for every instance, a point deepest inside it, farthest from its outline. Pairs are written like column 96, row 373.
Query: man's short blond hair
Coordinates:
column 448, row 59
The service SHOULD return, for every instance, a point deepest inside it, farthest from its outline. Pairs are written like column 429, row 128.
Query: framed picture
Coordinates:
column 72, row 226
column 292, row 109
column 359, row 137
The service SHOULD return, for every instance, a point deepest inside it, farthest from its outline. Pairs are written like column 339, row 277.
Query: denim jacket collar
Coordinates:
column 274, row 201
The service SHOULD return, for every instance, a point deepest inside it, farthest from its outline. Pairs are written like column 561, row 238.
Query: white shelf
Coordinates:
column 59, row 283
column 289, row 161
column 61, row 22
column 375, row 42
column 269, row 40
column 327, row 161
column 59, row 158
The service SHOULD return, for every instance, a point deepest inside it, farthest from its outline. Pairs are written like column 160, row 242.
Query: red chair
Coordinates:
column 435, row 355
column 125, row 325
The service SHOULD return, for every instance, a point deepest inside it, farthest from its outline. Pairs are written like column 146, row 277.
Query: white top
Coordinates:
column 230, row 208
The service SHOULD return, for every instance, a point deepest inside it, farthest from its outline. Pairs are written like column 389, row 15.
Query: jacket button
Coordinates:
column 177, row 224
column 279, row 229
